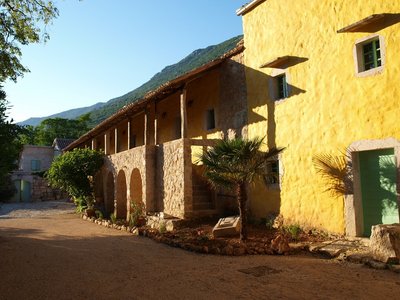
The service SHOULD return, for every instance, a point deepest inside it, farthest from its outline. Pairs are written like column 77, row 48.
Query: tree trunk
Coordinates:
column 242, row 202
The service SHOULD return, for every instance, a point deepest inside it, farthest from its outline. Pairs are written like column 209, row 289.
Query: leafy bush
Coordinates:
column 137, row 211
column 113, row 218
column 99, row 214
column 163, row 227
column 73, row 172
column 81, row 204
column 293, row 231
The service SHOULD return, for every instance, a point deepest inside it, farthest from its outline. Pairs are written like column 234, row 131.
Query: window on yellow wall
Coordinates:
column 282, row 90
column 369, row 55
column 274, row 173
column 210, row 119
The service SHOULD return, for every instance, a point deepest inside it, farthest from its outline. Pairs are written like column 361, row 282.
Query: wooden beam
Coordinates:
column 129, row 134
column 277, row 62
column 146, row 126
column 116, row 140
column 359, row 25
column 155, row 124
column 94, row 144
column 107, row 142
column 183, row 114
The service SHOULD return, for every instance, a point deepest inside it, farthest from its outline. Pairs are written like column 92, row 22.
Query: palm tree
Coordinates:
column 235, row 163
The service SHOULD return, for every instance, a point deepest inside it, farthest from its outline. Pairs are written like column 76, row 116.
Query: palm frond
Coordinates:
column 236, row 161
column 336, row 170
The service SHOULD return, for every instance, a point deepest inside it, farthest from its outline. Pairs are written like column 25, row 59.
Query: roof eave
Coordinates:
column 248, row 7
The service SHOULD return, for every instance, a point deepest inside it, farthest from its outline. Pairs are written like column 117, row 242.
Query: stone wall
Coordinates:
column 140, row 158
column 173, row 178
column 41, row 191
column 233, row 95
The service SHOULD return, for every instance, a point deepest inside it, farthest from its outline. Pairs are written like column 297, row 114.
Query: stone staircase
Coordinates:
column 203, row 195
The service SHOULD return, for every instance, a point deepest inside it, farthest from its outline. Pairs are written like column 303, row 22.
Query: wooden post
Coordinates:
column 116, row 140
column 155, row 124
column 183, row 114
column 146, row 127
column 107, row 142
column 129, row 134
column 94, row 144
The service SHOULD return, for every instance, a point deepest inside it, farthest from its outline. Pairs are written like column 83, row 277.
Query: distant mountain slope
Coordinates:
column 68, row 114
column 194, row 60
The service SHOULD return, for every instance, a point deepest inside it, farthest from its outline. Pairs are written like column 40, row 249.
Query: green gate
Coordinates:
column 378, row 188
column 23, row 191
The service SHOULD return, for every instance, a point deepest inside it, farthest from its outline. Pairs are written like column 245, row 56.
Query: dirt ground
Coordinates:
column 57, row 255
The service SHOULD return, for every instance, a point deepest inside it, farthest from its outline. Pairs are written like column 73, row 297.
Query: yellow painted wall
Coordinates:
column 122, row 130
column 168, row 112
column 202, row 94
column 330, row 106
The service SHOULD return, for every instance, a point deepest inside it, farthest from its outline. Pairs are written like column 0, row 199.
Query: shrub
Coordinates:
column 99, row 214
column 81, row 204
column 113, row 218
column 73, row 172
column 293, row 231
column 162, row 228
column 137, row 211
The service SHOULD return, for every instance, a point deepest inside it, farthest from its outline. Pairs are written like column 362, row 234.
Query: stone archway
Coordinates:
column 109, row 196
column 136, row 188
column 121, row 196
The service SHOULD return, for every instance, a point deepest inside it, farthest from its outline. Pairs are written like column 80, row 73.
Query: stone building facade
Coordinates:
column 28, row 179
column 152, row 145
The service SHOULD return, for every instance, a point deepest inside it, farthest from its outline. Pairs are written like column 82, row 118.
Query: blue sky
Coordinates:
column 101, row 49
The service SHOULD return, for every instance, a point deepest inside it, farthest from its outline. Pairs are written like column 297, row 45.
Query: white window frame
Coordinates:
column 273, row 88
column 358, row 56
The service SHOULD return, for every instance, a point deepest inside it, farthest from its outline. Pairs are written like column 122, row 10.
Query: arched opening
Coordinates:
column 136, row 187
column 99, row 191
column 121, row 196
column 109, row 197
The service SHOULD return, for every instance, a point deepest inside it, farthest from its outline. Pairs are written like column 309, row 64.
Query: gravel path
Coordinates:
column 35, row 209
column 60, row 256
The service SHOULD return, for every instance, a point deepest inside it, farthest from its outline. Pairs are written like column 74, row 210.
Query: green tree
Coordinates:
column 27, row 135
column 52, row 128
column 235, row 163
column 9, row 149
column 22, row 22
column 73, row 172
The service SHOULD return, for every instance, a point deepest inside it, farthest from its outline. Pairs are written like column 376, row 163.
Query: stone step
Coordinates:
column 203, row 206
column 203, row 213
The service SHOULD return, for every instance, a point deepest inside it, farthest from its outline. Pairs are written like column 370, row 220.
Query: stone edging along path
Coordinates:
column 352, row 251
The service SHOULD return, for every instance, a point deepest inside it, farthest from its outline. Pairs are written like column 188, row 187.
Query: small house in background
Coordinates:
column 33, row 162
column 60, row 144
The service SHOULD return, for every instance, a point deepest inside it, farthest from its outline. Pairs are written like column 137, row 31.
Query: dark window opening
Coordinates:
column 371, row 54
column 282, row 87
column 210, row 119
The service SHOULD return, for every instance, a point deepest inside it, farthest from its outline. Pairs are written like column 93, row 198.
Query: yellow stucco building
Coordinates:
column 322, row 78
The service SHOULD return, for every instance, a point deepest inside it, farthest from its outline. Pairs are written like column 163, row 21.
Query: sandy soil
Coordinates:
column 60, row 256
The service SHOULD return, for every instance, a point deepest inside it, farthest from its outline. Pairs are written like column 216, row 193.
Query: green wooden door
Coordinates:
column 25, row 191
column 17, row 195
column 378, row 188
